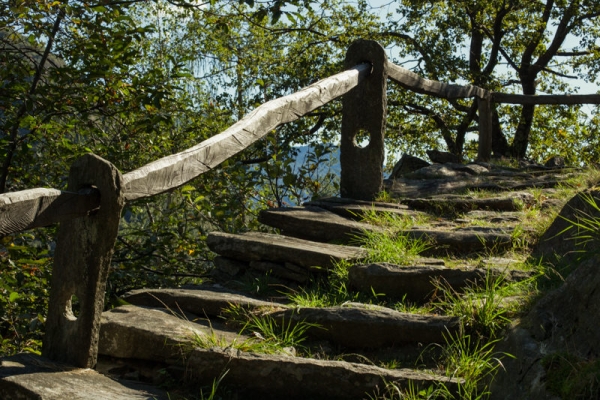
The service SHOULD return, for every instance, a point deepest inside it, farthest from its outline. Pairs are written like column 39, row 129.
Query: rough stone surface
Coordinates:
column 512, row 202
column 455, row 242
column 273, row 377
column 418, row 283
column 364, row 327
column 154, row 334
column 407, row 164
column 230, row 266
column 256, row 246
column 442, row 157
column 281, row 270
column 31, row 377
column 356, row 209
column 202, row 301
column 559, row 242
column 313, row 223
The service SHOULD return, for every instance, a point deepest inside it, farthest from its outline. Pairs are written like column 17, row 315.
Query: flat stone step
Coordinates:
column 314, row 223
column 417, row 188
column 513, row 202
column 254, row 246
column 463, row 241
column 131, row 332
column 203, row 301
column 319, row 225
column 365, row 326
column 31, row 377
column 356, row 209
column 417, row 283
column 156, row 334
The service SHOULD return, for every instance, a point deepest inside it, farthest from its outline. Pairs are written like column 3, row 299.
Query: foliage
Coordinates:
column 572, row 377
column 25, row 269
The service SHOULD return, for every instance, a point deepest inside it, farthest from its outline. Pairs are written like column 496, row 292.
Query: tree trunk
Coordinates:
column 500, row 146
column 521, row 140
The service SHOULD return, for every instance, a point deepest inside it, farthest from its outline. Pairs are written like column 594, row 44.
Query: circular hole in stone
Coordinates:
column 362, row 138
column 74, row 306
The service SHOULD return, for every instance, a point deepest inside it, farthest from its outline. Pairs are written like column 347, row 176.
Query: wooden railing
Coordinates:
column 89, row 211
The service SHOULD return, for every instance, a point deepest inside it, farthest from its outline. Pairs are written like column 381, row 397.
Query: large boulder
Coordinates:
column 564, row 323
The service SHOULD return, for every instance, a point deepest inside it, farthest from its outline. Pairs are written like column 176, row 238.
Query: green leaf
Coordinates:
column 14, row 296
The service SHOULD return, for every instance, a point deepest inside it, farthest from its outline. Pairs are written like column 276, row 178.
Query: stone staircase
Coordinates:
column 472, row 219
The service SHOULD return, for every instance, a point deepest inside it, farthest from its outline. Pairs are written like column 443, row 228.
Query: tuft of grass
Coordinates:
column 474, row 360
column 398, row 249
column 268, row 335
column 480, row 309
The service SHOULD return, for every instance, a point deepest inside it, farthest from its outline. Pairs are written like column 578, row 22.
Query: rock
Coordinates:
column 281, row 270
column 356, row 209
column 559, row 244
column 370, row 327
column 407, row 164
column 442, row 157
column 418, row 283
column 512, row 202
column 254, row 246
column 259, row 376
column 437, row 171
column 555, row 162
column 313, row 223
column 204, row 301
column 230, row 266
column 455, row 242
column 32, row 377
column 153, row 334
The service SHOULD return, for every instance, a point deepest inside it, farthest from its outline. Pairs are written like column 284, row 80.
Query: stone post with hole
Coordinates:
column 363, row 124
column 82, row 258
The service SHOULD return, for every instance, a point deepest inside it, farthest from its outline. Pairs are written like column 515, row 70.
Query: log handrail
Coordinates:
column 41, row 207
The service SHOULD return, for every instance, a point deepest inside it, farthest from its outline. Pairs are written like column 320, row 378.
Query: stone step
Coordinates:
column 417, row 283
column 319, row 225
column 131, row 332
column 418, row 188
column 512, row 202
column 363, row 326
column 204, row 301
column 356, row 209
column 314, row 223
column 32, row 377
column 255, row 246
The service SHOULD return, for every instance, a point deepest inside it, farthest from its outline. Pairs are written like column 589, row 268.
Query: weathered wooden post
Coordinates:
column 364, row 111
column 81, row 262
column 484, row 152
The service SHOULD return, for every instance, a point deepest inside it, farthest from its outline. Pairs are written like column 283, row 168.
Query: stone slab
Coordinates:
column 254, row 246
column 370, row 327
column 28, row 376
column 202, row 301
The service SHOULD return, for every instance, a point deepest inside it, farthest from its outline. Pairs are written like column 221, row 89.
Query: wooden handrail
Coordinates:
column 41, row 207
column 175, row 170
column 414, row 82
column 34, row 208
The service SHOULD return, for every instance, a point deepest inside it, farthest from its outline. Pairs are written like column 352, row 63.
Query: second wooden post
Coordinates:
column 363, row 124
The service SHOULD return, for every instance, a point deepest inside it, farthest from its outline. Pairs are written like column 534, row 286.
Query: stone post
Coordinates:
column 82, row 258
column 363, row 116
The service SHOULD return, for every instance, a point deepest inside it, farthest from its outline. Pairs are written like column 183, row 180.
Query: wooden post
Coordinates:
column 364, row 111
column 484, row 152
column 81, row 262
